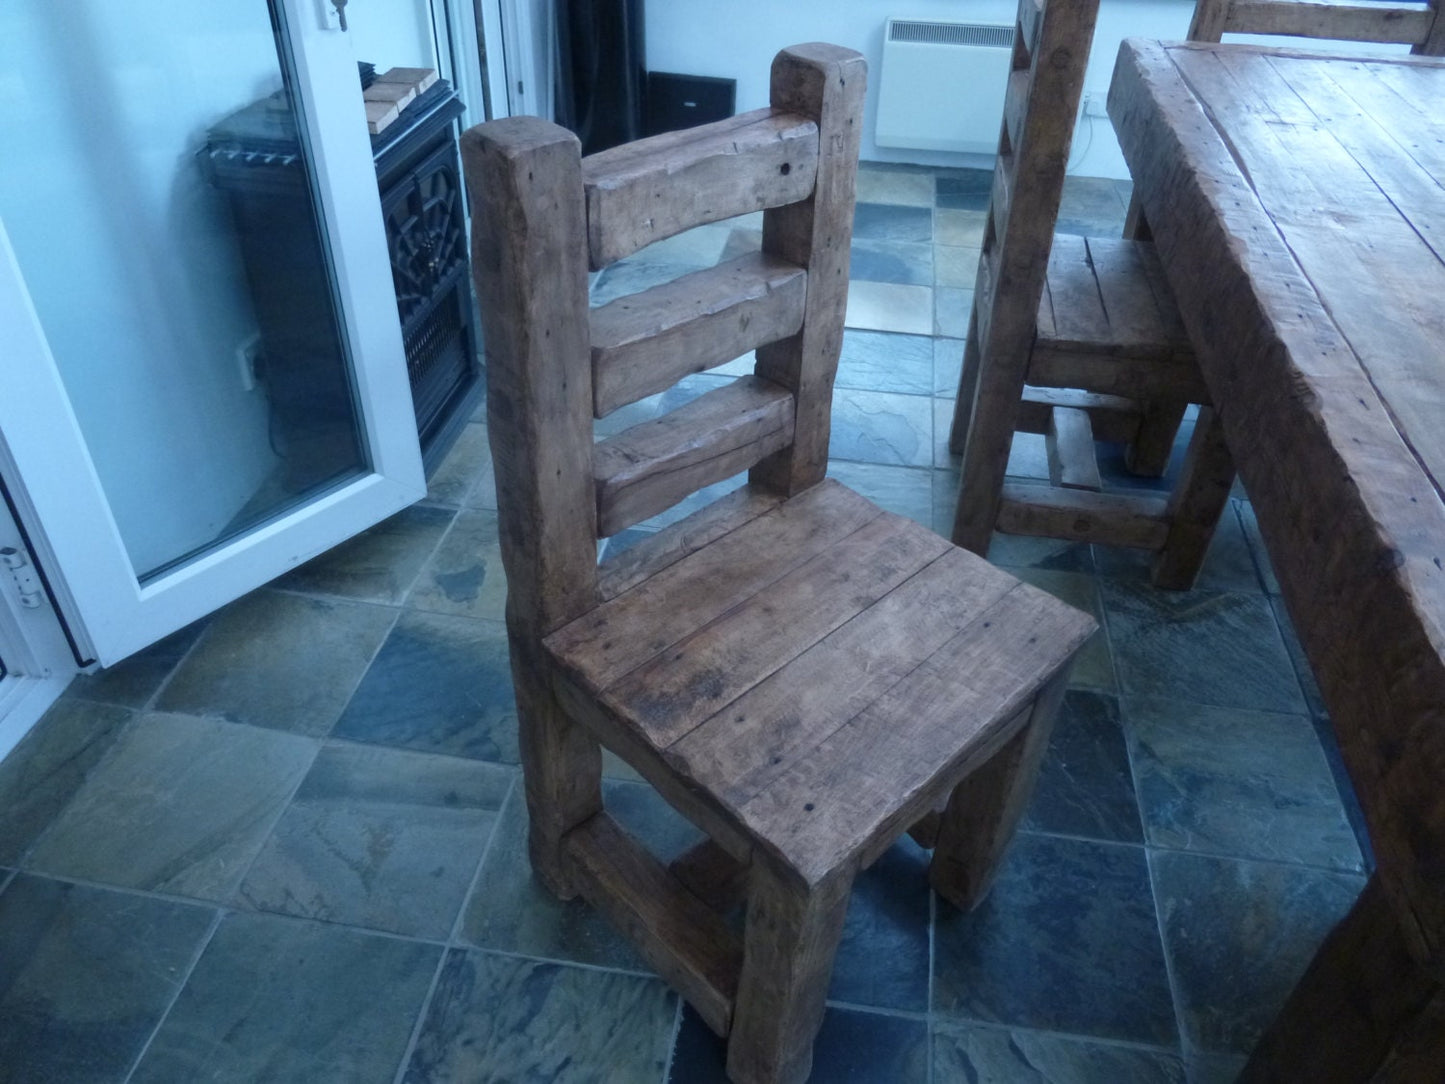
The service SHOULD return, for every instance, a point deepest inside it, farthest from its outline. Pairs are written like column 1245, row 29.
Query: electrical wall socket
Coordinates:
column 1095, row 104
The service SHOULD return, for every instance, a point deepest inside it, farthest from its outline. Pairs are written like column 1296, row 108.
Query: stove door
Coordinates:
column 171, row 440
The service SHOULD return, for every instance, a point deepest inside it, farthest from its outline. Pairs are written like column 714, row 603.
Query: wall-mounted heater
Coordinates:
column 942, row 85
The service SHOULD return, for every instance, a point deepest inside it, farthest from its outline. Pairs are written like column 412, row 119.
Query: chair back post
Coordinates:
column 825, row 83
column 1051, row 51
column 529, row 255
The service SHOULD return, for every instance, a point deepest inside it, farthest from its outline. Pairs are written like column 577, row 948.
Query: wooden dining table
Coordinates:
column 1297, row 202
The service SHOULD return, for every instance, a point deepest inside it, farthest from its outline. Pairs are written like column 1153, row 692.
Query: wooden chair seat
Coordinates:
column 796, row 675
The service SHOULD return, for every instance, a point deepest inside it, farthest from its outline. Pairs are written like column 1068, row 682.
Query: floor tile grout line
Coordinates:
column 672, row 1042
column 514, row 787
column 22, row 860
column 181, row 984
column 1186, row 1043
column 948, row 1024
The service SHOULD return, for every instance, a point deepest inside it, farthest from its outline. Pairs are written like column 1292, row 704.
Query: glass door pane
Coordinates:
column 163, row 210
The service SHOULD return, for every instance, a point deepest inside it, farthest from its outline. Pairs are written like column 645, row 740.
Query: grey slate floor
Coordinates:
column 288, row 844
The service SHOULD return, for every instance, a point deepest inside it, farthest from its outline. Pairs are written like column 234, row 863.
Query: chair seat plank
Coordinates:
column 646, row 342
column 1071, row 310
column 1110, row 519
column 649, row 190
column 650, row 467
column 1139, row 317
column 625, row 632
column 688, row 681
column 684, row 939
column 895, row 760
column 760, row 735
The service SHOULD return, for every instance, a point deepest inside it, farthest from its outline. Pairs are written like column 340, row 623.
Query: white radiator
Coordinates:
column 942, row 85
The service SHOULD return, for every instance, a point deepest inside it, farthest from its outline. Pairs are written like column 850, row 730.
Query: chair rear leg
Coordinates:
column 789, row 942
column 984, row 419
column 1153, row 444
column 985, row 809
column 561, row 773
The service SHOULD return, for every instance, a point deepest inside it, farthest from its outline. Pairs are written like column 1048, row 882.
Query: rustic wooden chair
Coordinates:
column 1077, row 339
column 799, row 673
column 1417, row 25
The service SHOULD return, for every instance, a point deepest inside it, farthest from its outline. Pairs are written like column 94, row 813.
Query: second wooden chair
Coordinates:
column 1077, row 339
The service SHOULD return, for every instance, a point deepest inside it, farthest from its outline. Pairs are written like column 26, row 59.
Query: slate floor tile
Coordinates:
column 906, row 491
column 439, row 684
column 1066, row 941
column 378, row 565
column 906, row 262
column 279, row 660
column 879, row 361
column 947, row 365
column 883, row 958
column 851, row 1048
column 280, row 1000
column 892, row 222
column 181, row 806
column 965, row 189
column 881, row 427
column 959, row 227
column 465, row 575
column 85, row 975
column 952, row 309
column 1214, row 1068
column 1246, row 784
column 1228, row 564
column 1085, row 788
column 878, row 183
column 1093, row 665
column 510, row 911
column 41, row 774
column 890, row 306
column 1239, row 935
column 993, row 1055
column 1209, row 647
column 469, row 460
column 1027, row 551
column 503, row 1019
column 955, row 265
column 380, row 839
column 133, row 681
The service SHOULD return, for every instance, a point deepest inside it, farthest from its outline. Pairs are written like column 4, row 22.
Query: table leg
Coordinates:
column 1364, row 1010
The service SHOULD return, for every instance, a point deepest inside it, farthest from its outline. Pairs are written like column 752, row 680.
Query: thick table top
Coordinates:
column 1298, row 204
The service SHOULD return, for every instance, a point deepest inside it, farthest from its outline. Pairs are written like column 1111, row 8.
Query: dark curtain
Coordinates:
column 601, row 70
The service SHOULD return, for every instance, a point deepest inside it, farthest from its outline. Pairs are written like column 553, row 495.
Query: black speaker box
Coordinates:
column 685, row 101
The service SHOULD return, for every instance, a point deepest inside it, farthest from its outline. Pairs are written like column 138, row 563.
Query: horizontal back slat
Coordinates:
column 645, row 342
column 654, row 188
column 1400, row 23
column 650, row 467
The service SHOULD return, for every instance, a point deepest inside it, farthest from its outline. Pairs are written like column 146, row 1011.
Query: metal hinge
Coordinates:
column 22, row 574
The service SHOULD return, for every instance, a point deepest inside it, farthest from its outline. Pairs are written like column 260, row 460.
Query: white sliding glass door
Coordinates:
column 202, row 378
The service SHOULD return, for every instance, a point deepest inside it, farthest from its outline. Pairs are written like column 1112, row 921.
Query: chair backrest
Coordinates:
column 1051, row 51
column 543, row 215
column 1415, row 24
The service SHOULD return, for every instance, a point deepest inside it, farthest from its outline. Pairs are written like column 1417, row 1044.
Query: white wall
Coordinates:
column 392, row 33
column 737, row 40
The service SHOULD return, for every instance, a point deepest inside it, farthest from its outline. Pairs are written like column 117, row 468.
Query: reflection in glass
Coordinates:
column 161, row 207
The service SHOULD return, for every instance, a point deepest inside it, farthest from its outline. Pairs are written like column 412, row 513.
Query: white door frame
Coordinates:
column 58, row 495
column 38, row 660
